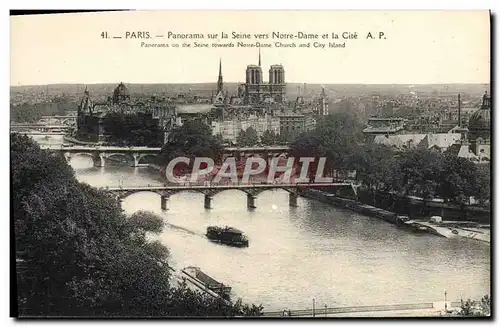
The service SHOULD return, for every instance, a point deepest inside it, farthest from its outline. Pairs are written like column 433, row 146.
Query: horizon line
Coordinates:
column 230, row 82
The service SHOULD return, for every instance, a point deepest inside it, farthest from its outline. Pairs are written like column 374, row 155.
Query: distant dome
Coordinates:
column 121, row 93
column 481, row 119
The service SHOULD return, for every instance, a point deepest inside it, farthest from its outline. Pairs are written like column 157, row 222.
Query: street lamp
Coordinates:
column 314, row 303
column 445, row 302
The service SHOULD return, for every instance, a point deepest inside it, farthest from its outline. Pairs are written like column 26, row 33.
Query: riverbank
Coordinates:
column 350, row 204
column 372, row 211
column 416, row 208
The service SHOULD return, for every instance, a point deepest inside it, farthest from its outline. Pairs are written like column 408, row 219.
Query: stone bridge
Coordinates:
column 65, row 120
column 40, row 128
column 209, row 191
column 99, row 154
column 134, row 155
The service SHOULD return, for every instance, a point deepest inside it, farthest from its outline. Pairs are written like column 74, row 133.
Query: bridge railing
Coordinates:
column 225, row 185
column 323, row 311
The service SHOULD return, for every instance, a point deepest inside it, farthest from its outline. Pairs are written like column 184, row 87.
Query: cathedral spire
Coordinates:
column 219, row 80
column 259, row 57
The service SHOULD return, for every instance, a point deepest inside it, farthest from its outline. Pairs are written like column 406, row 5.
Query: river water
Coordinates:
column 315, row 251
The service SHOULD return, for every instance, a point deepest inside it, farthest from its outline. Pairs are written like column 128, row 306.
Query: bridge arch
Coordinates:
column 130, row 160
column 208, row 194
column 146, row 158
column 97, row 159
column 46, row 121
column 207, row 191
column 68, row 122
column 122, row 195
column 251, row 191
column 70, row 155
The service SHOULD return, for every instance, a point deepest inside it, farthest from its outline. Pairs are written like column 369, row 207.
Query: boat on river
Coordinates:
column 227, row 235
column 452, row 229
column 405, row 222
column 207, row 281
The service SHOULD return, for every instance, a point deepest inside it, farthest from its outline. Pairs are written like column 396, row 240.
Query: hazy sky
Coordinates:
column 420, row 47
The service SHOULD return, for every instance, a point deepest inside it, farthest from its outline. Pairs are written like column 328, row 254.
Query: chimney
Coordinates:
column 459, row 112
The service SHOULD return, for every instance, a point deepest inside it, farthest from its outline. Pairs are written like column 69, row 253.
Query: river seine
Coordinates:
column 315, row 251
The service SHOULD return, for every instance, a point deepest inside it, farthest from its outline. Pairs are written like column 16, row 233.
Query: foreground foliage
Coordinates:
column 471, row 308
column 132, row 130
column 77, row 254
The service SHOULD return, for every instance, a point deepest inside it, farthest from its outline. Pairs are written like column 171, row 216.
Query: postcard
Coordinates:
column 279, row 164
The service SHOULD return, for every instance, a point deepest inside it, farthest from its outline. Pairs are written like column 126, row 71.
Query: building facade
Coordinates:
column 230, row 128
column 256, row 91
column 153, row 112
column 323, row 104
column 383, row 126
column 293, row 124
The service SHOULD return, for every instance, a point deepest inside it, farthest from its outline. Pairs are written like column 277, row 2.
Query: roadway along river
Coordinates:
column 337, row 257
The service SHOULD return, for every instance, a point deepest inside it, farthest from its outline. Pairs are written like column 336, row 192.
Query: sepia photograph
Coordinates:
column 273, row 164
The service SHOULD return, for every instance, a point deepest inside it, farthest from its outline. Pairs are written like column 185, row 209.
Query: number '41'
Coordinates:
column 104, row 35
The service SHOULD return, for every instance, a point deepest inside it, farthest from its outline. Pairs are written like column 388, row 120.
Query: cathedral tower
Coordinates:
column 220, row 83
column 323, row 103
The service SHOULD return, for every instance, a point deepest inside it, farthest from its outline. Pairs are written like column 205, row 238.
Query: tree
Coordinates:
column 219, row 138
column 77, row 254
column 420, row 170
column 285, row 138
column 32, row 112
column 132, row 129
column 146, row 221
column 308, row 146
column 340, row 133
column 483, row 179
column 345, row 106
column 459, row 179
column 471, row 308
column 25, row 113
column 248, row 137
column 269, row 138
column 375, row 166
column 192, row 139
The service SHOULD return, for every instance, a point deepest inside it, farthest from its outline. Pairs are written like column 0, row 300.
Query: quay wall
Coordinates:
column 418, row 208
column 351, row 204
column 386, row 212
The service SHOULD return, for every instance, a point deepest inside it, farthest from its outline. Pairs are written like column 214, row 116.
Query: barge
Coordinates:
column 453, row 229
column 207, row 281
